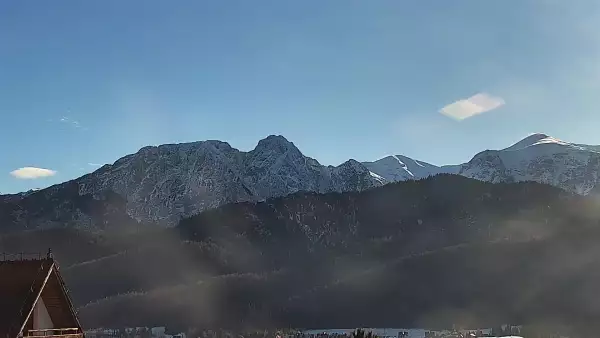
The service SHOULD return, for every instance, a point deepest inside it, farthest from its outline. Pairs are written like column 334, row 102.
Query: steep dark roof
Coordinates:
column 21, row 283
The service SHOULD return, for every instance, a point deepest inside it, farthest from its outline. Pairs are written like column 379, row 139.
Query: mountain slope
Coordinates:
column 61, row 206
column 161, row 185
column 397, row 168
column 539, row 158
column 308, row 259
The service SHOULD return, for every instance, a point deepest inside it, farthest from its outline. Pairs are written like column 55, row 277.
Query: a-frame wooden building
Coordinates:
column 34, row 300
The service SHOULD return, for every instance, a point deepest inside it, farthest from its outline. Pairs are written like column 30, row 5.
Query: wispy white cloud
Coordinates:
column 29, row 173
column 94, row 164
column 73, row 123
column 475, row 105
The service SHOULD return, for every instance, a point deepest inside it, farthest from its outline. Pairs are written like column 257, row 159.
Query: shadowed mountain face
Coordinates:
column 439, row 250
column 61, row 206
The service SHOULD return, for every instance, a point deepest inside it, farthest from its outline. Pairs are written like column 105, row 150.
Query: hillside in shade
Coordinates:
column 446, row 248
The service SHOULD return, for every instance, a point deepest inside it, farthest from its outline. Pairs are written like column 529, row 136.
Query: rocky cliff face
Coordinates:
column 165, row 183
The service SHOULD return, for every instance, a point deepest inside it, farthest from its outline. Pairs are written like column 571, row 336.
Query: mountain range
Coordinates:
column 163, row 184
column 201, row 234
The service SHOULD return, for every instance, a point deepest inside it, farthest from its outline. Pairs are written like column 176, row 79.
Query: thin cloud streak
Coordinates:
column 72, row 122
column 31, row 173
column 475, row 105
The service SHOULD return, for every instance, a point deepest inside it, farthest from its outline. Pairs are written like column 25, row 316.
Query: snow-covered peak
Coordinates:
column 535, row 140
column 396, row 168
column 539, row 158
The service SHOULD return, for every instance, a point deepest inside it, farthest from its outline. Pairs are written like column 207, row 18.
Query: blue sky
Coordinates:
column 86, row 82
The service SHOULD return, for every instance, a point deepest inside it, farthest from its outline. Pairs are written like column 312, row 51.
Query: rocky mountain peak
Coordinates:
column 353, row 164
column 535, row 139
column 276, row 143
column 162, row 184
column 396, row 168
column 539, row 158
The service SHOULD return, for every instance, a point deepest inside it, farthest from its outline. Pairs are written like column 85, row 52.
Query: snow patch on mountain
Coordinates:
column 539, row 158
column 397, row 168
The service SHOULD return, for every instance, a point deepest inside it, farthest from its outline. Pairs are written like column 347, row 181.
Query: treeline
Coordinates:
column 438, row 251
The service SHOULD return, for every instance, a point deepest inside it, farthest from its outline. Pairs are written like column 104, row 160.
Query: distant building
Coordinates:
column 102, row 333
column 33, row 299
column 158, row 332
